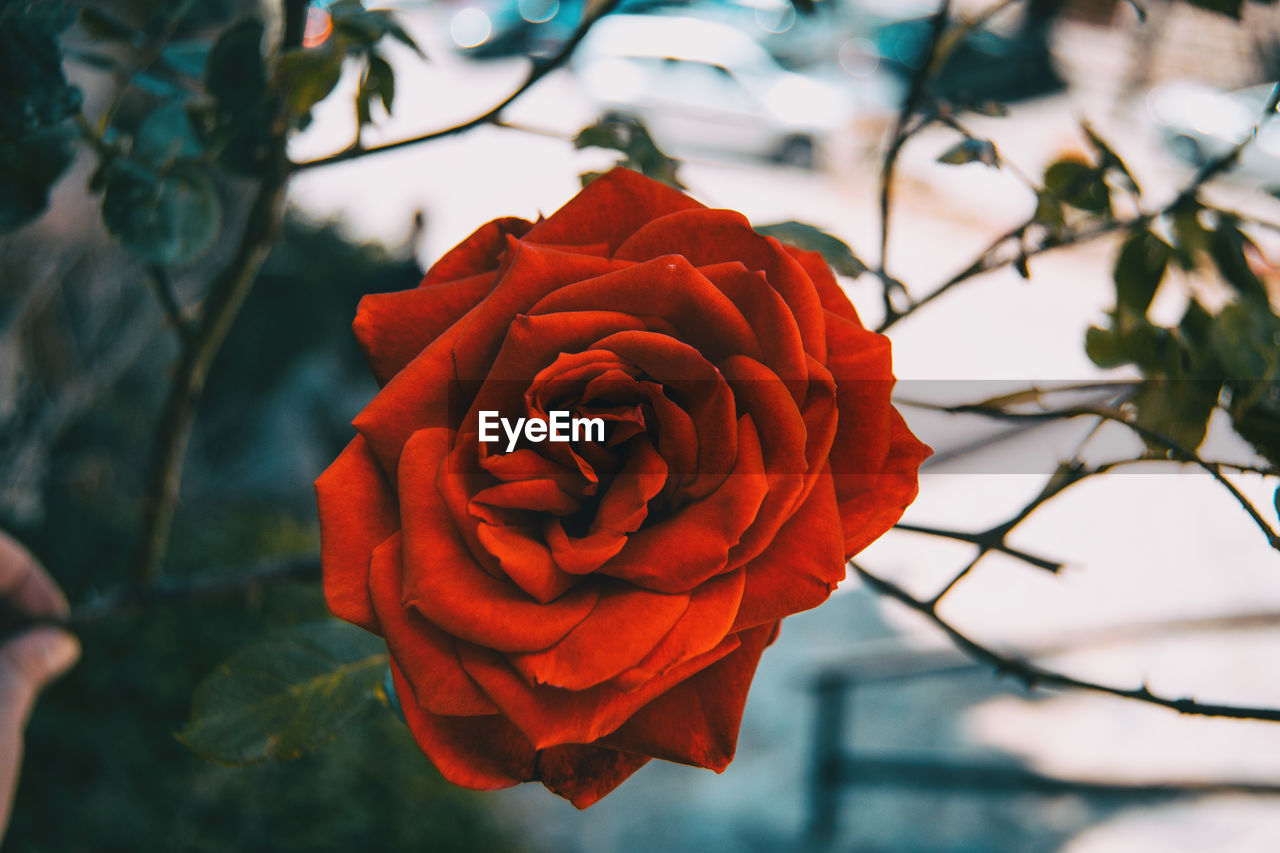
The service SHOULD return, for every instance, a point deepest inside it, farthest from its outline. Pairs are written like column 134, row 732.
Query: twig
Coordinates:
column 1032, row 675
column 982, row 540
column 130, row 598
column 490, row 116
column 899, row 136
column 163, row 288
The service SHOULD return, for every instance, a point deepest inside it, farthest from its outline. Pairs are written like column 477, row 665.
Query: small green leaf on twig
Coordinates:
column 971, row 151
column 1139, row 268
column 304, row 77
column 630, row 137
column 834, row 251
column 285, row 697
column 378, row 83
column 1079, row 185
column 165, row 135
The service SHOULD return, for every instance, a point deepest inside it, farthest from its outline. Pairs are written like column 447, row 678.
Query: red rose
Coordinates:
column 565, row 611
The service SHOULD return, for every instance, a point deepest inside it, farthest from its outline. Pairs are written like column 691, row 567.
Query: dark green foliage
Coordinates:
column 1139, row 268
column 168, row 219
column 629, row 136
column 29, row 166
column 284, row 697
column 104, row 771
column 834, row 251
column 35, row 103
column 1079, row 185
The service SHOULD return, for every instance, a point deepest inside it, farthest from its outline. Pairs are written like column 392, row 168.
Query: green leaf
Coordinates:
column 165, row 135
column 168, row 219
column 1049, row 213
column 1227, row 244
column 1139, row 268
column 1104, row 348
column 834, row 251
column 971, row 151
column 1189, row 236
column 236, row 75
column 29, row 167
column 186, row 57
column 1176, row 409
column 34, row 94
column 629, row 136
column 285, row 697
column 306, row 76
column 1108, row 159
column 1079, row 185
column 379, row 82
column 366, row 27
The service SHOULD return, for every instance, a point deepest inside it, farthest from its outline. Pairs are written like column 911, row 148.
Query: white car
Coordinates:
column 703, row 85
column 1199, row 123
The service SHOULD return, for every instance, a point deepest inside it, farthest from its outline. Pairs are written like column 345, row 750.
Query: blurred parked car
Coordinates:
column 1198, row 123
column 709, row 86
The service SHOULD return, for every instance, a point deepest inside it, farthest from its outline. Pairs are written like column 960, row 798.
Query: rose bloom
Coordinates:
column 566, row 611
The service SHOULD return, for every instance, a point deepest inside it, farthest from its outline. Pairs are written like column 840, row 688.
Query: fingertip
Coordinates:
column 40, row 655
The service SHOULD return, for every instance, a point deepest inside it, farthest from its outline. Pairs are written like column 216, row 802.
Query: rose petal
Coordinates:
column 802, row 565
column 357, row 512
column 875, row 503
column 393, row 328
column 769, row 316
column 609, row 210
column 692, row 545
column 526, row 561
column 698, row 387
column 443, row 582
column 476, row 254
column 667, row 287
column 550, row 716
column 706, row 237
column 832, row 295
column 621, row 630
column 485, row 753
column 712, row 609
column 584, row 774
column 439, row 683
column 696, row 722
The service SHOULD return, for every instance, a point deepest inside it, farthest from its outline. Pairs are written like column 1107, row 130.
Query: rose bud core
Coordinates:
column 564, row 611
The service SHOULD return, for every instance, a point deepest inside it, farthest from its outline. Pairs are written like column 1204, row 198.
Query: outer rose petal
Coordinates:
column 584, row 774
column 829, row 290
column 439, row 683
column 609, row 210
column 392, row 328
column 802, row 565
column 872, row 511
column 484, row 753
column 357, row 512
column 476, row 254
column 696, row 722
column 550, row 716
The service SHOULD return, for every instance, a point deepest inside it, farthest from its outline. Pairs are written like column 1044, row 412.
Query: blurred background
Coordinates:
column 781, row 116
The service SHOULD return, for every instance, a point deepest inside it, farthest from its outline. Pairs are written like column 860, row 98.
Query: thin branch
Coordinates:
column 1032, row 675
column 167, row 593
column 899, row 136
column 491, row 115
column 163, row 288
column 990, row 258
column 983, row 541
